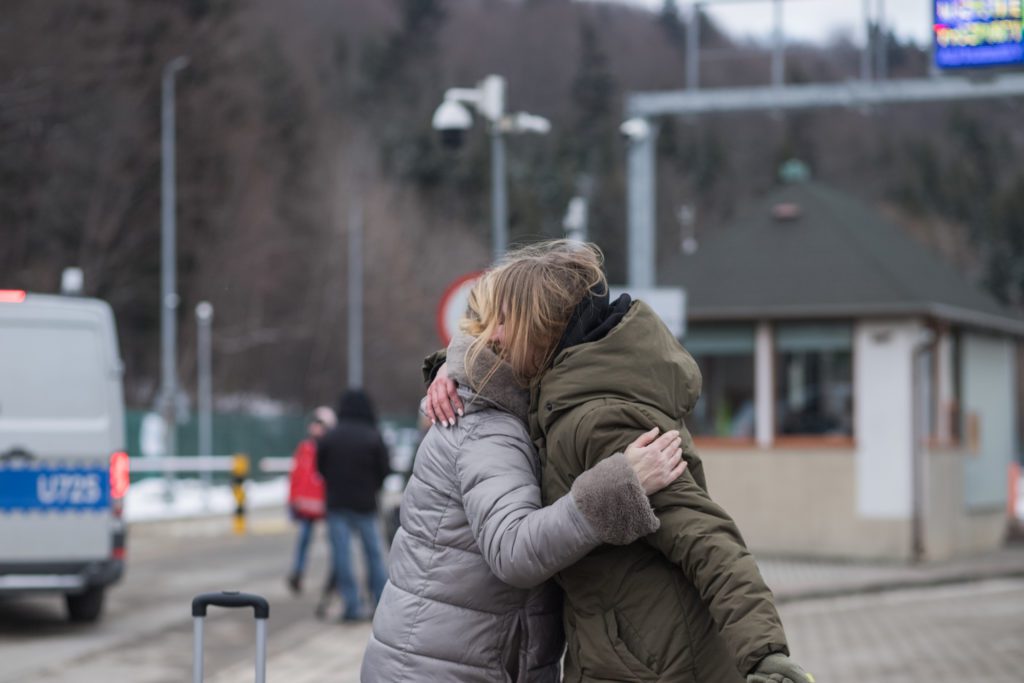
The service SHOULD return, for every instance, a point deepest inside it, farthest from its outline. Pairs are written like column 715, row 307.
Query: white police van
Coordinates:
column 63, row 469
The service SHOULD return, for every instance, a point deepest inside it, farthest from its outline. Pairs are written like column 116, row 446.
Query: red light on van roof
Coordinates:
column 12, row 296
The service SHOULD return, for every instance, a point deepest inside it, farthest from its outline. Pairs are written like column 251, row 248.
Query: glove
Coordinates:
column 779, row 668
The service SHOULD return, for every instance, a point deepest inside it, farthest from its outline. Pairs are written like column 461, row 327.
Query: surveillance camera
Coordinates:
column 636, row 129
column 452, row 120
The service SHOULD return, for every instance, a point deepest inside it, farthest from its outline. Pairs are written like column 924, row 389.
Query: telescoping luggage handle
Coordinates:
column 230, row 599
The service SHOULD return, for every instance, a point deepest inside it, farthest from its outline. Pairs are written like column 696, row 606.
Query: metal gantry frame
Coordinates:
column 643, row 108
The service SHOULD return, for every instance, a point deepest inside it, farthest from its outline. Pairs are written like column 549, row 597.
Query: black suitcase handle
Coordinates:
column 231, row 599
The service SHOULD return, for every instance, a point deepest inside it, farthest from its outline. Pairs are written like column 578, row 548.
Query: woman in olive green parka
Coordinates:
column 687, row 603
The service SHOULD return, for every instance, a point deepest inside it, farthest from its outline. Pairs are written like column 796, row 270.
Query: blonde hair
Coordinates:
column 532, row 292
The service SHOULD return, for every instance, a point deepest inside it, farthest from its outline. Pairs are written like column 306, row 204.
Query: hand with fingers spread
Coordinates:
column 443, row 402
column 778, row 668
column 656, row 460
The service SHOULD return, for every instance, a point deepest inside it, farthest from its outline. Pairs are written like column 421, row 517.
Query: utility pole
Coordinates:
column 693, row 48
column 575, row 220
column 168, row 259
column 865, row 55
column 882, row 46
column 499, row 192
column 355, row 296
column 491, row 103
column 204, row 379
column 640, row 199
column 778, row 48
column 204, row 385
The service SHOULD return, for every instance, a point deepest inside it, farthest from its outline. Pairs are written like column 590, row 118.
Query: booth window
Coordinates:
column 955, row 412
column 814, row 379
column 725, row 355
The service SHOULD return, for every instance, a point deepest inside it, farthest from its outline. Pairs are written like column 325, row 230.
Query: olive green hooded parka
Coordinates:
column 686, row 604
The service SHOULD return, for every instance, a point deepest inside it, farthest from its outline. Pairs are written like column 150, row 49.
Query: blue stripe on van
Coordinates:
column 54, row 488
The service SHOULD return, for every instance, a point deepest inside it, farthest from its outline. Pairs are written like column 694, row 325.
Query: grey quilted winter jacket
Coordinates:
column 468, row 597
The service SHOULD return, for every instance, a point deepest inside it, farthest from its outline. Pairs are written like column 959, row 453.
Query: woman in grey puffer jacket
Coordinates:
column 469, row 598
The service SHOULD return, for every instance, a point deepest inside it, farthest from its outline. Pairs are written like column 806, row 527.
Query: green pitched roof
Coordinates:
column 839, row 258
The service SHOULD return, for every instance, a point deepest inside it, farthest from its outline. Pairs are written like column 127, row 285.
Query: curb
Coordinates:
column 883, row 586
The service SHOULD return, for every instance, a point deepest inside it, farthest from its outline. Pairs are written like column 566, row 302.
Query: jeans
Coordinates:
column 342, row 524
column 302, row 545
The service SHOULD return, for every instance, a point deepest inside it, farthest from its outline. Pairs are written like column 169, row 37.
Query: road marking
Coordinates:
column 270, row 526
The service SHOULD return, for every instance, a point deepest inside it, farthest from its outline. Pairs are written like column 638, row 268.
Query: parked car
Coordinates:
column 63, row 468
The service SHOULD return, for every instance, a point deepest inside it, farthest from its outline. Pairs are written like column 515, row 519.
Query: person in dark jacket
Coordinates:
column 353, row 461
column 686, row 604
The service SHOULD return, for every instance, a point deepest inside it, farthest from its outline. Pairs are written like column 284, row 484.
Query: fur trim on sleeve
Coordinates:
column 610, row 496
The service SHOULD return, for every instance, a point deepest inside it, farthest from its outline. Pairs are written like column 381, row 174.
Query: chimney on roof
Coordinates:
column 794, row 172
column 791, row 172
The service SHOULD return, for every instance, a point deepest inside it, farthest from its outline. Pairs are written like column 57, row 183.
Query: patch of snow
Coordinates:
column 254, row 404
column 147, row 500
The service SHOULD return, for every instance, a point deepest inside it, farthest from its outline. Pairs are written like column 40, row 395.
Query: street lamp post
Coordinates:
column 499, row 193
column 575, row 220
column 168, row 285
column 204, row 384
column 640, row 201
column 355, row 296
column 204, row 379
column 452, row 119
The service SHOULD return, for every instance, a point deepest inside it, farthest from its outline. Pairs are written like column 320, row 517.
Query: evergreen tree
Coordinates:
column 675, row 29
column 593, row 91
column 595, row 144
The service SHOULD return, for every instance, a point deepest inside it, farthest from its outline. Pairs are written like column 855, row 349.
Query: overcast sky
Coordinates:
column 813, row 20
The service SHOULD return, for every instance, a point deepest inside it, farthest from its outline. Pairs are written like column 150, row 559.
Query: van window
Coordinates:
column 56, row 371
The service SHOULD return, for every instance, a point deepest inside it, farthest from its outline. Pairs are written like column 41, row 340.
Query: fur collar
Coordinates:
column 501, row 389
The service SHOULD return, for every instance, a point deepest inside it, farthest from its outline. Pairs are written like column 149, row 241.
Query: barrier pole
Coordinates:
column 239, row 472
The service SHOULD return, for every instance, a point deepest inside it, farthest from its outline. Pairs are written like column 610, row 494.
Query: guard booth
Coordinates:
column 859, row 396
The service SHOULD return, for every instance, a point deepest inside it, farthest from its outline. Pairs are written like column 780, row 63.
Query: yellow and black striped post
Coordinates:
column 239, row 472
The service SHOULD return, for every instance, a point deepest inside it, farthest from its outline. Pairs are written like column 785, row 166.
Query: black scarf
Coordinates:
column 592, row 319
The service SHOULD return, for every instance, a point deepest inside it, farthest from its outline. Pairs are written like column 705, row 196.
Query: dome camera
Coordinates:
column 452, row 120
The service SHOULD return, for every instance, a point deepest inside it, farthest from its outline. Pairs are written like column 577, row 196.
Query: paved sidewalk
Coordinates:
column 313, row 652
column 811, row 593
column 956, row 633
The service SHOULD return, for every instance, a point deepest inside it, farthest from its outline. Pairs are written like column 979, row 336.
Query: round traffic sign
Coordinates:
column 453, row 305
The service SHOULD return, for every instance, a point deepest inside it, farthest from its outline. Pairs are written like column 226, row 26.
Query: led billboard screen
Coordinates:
column 978, row 33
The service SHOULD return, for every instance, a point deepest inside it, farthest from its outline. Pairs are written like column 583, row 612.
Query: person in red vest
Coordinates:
column 306, row 498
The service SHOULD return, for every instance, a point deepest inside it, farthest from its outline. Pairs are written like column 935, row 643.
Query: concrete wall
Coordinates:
column 950, row 528
column 883, row 416
column 801, row 502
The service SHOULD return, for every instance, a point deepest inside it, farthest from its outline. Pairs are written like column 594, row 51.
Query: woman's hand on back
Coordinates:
column 656, row 460
column 443, row 400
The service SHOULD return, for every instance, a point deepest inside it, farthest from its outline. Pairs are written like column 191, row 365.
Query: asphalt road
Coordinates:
column 945, row 634
column 146, row 632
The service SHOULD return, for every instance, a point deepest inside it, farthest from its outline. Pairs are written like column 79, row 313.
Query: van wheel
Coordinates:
column 85, row 607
